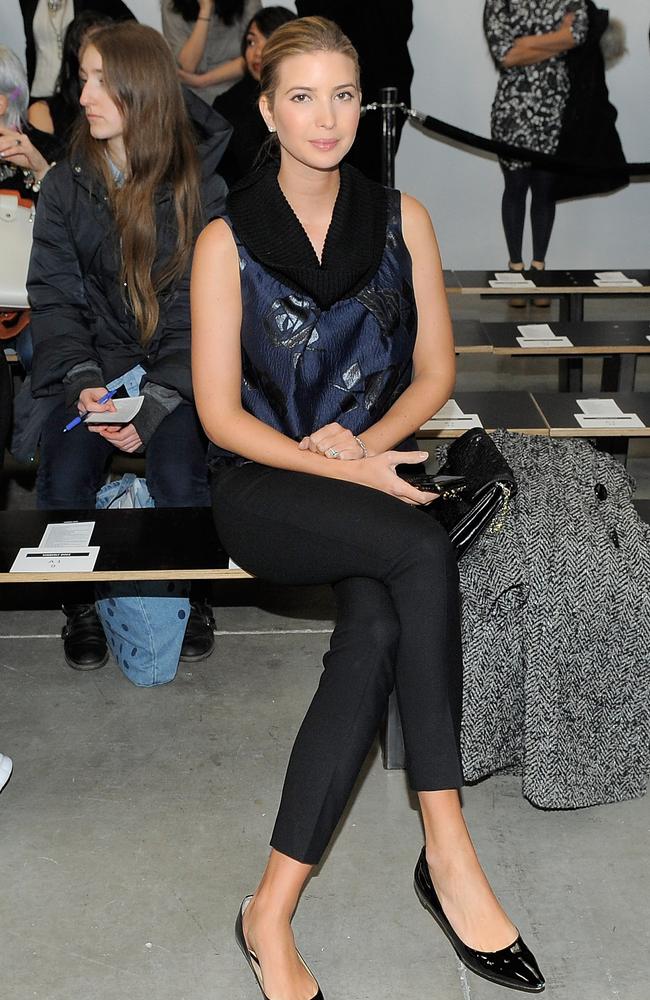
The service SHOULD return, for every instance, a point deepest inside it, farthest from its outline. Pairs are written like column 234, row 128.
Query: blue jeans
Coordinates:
column 72, row 465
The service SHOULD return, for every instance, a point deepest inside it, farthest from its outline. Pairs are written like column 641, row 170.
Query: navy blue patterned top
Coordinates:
column 304, row 367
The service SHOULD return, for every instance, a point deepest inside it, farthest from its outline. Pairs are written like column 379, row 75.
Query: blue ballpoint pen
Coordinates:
column 82, row 416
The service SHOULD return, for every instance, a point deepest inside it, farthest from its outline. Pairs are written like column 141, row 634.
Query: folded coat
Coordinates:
column 556, row 631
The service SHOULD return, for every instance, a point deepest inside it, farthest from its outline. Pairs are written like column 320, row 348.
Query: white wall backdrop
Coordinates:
column 455, row 80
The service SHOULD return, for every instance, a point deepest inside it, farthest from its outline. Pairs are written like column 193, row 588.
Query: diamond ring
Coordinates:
column 332, row 452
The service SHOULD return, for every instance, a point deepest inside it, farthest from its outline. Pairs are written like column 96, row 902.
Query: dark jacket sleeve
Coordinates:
column 61, row 323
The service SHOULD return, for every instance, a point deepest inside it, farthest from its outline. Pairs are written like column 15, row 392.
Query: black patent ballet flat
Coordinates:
column 514, row 966
column 252, row 958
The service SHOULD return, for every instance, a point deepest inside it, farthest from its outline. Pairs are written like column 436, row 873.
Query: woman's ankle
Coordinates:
column 264, row 907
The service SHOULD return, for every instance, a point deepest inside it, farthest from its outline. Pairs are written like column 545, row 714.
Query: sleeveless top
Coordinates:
column 304, row 367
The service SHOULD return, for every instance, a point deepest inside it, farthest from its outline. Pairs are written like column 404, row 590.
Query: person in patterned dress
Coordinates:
column 528, row 40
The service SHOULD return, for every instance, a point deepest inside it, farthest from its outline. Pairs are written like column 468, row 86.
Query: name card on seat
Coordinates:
column 451, row 417
column 598, row 413
column 605, row 278
column 536, row 335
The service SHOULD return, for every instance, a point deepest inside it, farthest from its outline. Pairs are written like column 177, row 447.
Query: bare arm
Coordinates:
column 216, row 373
column 530, row 49
column 39, row 116
column 191, row 54
column 232, row 69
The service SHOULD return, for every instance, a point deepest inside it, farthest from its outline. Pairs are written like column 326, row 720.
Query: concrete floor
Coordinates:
column 137, row 819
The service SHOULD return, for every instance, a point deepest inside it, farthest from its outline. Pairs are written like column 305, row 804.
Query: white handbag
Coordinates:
column 16, row 229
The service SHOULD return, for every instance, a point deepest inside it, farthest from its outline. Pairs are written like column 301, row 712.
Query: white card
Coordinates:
column 510, row 277
column 449, row 410
column 619, row 423
column 232, row 564
column 68, row 535
column 452, row 423
column 647, row 336
column 524, row 283
column 599, row 407
column 536, row 331
column 538, row 343
column 125, row 410
column 627, row 283
column 76, row 560
column 611, row 276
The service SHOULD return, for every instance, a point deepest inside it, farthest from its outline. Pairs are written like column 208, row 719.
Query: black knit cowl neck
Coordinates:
column 272, row 233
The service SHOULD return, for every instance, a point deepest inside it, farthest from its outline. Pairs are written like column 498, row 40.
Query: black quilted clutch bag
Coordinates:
column 490, row 484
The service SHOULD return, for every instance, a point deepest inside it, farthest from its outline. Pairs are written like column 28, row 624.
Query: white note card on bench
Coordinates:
column 605, row 278
column 450, row 417
column 536, row 331
column 50, row 561
column 509, row 281
column 626, row 420
column 67, row 535
column 64, row 548
column 599, row 413
column 600, row 407
column 536, row 335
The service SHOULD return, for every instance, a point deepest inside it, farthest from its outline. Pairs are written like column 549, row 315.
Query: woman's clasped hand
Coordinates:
column 17, row 148
column 379, row 471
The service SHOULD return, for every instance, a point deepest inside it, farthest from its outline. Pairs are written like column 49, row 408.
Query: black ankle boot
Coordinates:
column 199, row 634
column 84, row 642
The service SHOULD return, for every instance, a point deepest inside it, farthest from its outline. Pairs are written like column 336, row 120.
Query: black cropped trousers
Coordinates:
column 396, row 584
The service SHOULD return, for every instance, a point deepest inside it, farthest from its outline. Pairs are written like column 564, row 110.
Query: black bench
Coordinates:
column 618, row 343
column 571, row 287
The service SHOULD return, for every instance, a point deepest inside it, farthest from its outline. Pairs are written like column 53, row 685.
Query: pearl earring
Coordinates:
column 271, row 128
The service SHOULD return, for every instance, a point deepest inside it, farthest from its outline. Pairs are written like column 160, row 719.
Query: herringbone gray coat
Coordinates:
column 556, row 631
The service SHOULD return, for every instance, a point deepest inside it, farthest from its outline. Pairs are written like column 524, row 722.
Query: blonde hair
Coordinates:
column 298, row 38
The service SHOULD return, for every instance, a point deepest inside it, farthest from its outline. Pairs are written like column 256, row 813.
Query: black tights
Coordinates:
column 542, row 209
column 396, row 584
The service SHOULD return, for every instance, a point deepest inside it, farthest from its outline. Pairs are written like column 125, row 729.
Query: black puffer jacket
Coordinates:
column 81, row 321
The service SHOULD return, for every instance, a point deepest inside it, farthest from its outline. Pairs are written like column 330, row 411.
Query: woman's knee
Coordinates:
column 367, row 620
column 176, row 485
column 431, row 552
column 378, row 632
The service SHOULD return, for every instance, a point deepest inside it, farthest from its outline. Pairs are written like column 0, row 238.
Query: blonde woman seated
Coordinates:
column 321, row 342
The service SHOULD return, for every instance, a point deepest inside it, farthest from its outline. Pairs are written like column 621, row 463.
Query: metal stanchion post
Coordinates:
column 393, row 750
column 388, row 101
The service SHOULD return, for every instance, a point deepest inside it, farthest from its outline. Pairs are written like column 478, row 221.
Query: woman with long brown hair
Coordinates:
column 109, row 289
column 321, row 342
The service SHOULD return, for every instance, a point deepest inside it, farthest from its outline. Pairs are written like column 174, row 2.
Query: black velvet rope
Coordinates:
column 508, row 151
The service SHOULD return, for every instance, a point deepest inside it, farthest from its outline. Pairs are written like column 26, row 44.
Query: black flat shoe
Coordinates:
column 198, row 641
column 84, row 642
column 252, row 958
column 514, row 966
